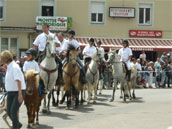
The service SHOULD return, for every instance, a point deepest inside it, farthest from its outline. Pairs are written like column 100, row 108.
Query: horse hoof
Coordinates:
column 37, row 123
column 94, row 102
column 33, row 126
column 54, row 104
column 100, row 93
column 121, row 97
column 111, row 100
column 61, row 102
column 44, row 111
column 28, row 126
column 134, row 97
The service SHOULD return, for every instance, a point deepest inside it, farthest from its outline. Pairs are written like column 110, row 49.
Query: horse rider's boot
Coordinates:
column 83, row 78
column 43, row 89
column 129, row 75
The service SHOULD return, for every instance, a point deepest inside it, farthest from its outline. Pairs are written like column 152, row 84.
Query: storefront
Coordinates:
column 151, row 46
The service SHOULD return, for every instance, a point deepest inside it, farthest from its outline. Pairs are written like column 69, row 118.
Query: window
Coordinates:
column 47, row 8
column 9, row 44
column 97, row 12
column 1, row 9
column 145, row 14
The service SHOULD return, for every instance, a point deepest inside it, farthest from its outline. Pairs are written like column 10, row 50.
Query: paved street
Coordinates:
column 151, row 110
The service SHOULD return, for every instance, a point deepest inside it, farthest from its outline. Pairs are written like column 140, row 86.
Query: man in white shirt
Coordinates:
column 41, row 40
column 125, row 55
column 89, row 51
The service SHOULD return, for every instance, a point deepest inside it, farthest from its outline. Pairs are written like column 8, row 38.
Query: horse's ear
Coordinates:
column 36, row 73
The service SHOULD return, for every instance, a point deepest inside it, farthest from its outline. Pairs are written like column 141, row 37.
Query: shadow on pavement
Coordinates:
column 59, row 115
column 41, row 126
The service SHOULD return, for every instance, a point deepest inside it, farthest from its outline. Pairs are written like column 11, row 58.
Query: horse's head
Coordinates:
column 98, row 57
column 32, row 81
column 51, row 46
column 112, row 56
column 72, row 55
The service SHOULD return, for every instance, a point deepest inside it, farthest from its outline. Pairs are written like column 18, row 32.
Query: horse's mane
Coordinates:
column 30, row 74
column 70, row 48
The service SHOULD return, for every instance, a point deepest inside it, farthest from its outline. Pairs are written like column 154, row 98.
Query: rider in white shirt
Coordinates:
column 101, row 68
column 89, row 51
column 41, row 39
column 31, row 63
column 125, row 54
column 72, row 41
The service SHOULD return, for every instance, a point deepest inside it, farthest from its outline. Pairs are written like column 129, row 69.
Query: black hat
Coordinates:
column 71, row 32
column 99, row 42
column 32, row 52
column 91, row 40
column 125, row 41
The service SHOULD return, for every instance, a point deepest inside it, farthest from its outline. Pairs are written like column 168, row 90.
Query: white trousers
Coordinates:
column 128, row 65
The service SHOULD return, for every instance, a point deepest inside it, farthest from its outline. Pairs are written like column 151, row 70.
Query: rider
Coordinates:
column 72, row 41
column 89, row 51
column 60, row 55
column 125, row 54
column 101, row 67
column 31, row 63
column 41, row 40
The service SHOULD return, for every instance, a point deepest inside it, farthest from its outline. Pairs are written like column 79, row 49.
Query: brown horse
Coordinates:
column 32, row 97
column 71, row 74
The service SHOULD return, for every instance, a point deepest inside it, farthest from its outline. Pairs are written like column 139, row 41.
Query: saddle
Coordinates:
column 125, row 69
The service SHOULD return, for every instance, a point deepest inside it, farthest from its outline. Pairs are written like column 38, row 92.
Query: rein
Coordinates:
column 48, row 71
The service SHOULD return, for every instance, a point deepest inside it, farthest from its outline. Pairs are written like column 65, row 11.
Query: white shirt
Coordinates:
column 40, row 41
column 139, row 67
column 125, row 53
column 143, row 56
column 72, row 42
column 102, row 51
column 13, row 74
column 89, row 51
column 59, row 49
column 28, row 65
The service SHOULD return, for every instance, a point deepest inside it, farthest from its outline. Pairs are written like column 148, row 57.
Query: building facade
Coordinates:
column 146, row 22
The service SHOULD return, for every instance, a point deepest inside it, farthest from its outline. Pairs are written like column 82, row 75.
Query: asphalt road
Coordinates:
column 151, row 110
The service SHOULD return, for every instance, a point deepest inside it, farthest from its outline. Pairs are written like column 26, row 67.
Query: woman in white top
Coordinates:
column 89, row 51
column 15, row 86
column 125, row 55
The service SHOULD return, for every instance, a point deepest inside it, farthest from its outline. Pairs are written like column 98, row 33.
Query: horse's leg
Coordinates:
column 54, row 101
column 58, row 93
column 100, row 86
column 89, row 93
column 44, row 110
column 68, row 99
column 95, row 93
column 49, row 98
column 129, row 90
column 33, row 116
column 134, row 85
column 123, row 86
column 121, row 89
column 37, row 115
column 82, row 100
column 76, row 98
column 114, row 89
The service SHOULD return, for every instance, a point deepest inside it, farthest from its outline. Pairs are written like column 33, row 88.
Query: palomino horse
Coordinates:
column 3, row 108
column 119, row 75
column 32, row 97
column 92, row 75
column 71, row 73
column 48, row 70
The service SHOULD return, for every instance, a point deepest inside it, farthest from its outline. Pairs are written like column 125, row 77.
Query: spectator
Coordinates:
column 158, row 76
column 146, row 75
column 163, row 74
column 150, row 76
column 163, row 57
column 169, row 73
column 15, row 86
column 142, row 56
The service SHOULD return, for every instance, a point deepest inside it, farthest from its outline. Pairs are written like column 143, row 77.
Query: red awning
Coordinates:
column 135, row 44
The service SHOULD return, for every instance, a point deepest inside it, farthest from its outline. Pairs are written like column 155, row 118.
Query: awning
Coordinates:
column 135, row 44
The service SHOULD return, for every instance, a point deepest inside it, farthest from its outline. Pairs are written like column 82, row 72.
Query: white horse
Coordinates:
column 119, row 76
column 48, row 69
column 92, row 75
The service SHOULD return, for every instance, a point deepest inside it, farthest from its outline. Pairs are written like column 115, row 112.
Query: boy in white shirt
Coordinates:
column 31, row 63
